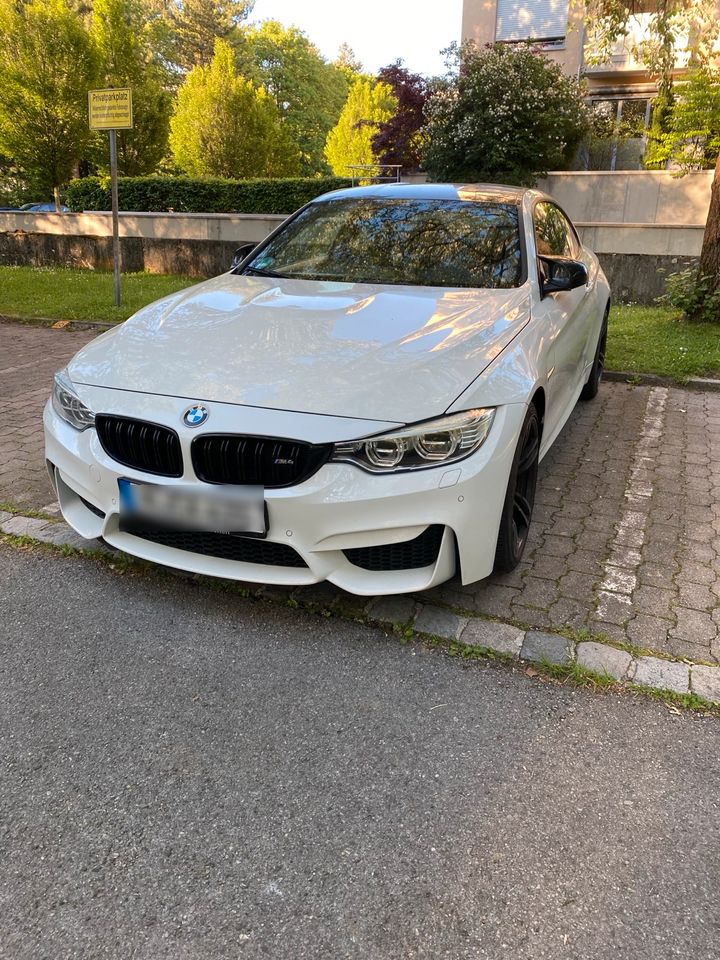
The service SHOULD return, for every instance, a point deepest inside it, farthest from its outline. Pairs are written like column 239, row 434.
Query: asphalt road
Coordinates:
column 187, row 774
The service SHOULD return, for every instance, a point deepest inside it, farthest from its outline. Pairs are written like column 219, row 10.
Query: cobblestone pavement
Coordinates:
column 626, row 534
column 29, row 356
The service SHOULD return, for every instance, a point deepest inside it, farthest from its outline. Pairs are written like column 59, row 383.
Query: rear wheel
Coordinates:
column 590, row 390
column 520, row 496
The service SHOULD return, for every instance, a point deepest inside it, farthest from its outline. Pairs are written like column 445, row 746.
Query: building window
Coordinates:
column 541, row 20
column 619, row 134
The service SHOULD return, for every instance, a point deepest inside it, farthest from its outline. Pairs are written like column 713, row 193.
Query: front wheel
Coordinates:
column 590, row 390
column 520, row 496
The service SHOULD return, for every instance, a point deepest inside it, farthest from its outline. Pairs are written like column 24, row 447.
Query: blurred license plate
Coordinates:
column 172, row 507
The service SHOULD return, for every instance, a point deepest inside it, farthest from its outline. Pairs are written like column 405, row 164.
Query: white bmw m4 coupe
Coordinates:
column 364, row 398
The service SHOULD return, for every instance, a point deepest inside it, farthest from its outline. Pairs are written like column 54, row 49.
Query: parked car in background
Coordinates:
column 43, row 208
column 364, row 398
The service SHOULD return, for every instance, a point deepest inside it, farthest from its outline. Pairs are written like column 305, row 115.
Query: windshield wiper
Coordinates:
column 257, row 272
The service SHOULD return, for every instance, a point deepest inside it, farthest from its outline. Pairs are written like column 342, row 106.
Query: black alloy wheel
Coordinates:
column 590, row 390
column 520, row 496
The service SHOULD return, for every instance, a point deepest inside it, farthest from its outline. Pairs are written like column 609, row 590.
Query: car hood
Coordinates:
column 380, row 352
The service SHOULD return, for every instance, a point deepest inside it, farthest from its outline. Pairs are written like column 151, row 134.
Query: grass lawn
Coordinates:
column 65, row 294
column 641, row 339
column 653, row 340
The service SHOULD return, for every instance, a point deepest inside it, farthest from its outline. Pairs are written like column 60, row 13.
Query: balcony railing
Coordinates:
column 367, row 173
column 623, row 58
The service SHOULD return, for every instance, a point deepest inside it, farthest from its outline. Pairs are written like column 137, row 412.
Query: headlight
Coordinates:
column 67, row 405
column 426, row 445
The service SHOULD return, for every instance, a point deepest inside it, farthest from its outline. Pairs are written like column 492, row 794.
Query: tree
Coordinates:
column 308, row 91
column 692, row 142
column 348, row 62
column 670, row 20
column 502, row 114
column 224, row 126
column 126, row 60
column 692, row 137
column 15, row 187
column 659, row 123
column 197, row 24
column 399, row 139
column 369, row 104
column 47, row 65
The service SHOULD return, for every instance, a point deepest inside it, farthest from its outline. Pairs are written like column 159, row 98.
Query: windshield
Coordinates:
column 432, row 243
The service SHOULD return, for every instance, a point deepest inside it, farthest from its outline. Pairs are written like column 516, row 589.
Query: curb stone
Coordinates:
column 391, row 609
column 439, row 622
column 473, row 633
column 501, row 638
column 603, row 659
column 655, row 380
column 705, row 682
column 661, row 674
column 71, row 325
column 547, row 648
column 25, row 527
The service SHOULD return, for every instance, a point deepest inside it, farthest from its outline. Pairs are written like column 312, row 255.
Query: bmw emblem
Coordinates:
column 196, row 415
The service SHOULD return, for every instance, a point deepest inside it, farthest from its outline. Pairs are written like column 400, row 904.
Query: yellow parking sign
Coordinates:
column 110, row 109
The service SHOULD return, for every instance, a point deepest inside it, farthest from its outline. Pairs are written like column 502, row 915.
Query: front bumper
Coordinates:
column 338, row 509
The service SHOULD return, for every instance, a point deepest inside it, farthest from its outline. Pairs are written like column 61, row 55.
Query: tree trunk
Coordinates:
column 710, row 256
column 58, row 204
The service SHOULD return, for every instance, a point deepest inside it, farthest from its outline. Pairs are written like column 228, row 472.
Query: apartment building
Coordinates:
column 620, row 89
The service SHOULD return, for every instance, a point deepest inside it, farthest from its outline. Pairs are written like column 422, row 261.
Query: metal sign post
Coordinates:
column 115, row 217
column 111, row 110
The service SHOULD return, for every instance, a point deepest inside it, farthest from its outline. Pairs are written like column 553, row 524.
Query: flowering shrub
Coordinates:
column 504, row 113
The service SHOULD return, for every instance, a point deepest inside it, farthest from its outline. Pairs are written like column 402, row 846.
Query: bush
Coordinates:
column 503, row 114
column 185, row 195
column 696, row 296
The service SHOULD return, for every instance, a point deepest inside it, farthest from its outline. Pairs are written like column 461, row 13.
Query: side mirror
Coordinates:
column 561, row 273
column 245, row 250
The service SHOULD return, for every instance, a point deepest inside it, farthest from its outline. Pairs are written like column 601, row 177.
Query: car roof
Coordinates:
column 498, row 193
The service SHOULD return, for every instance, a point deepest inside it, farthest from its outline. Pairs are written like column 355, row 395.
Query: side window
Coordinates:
column 553, row 234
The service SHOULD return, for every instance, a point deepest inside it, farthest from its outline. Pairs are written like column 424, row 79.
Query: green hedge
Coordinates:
column 184, row 195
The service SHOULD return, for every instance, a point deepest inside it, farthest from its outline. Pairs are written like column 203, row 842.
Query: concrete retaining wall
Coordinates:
column 237, row 227
column 633, row 276
column 195, row 258
column 642, row 224
column 631, row 196
column 638, row 278
column 199, row 245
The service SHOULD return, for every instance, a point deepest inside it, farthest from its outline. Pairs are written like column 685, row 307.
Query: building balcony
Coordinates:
column 623, row 59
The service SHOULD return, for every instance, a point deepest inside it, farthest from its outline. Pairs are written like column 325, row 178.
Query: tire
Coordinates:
column 590, row 390
column 520, row 496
